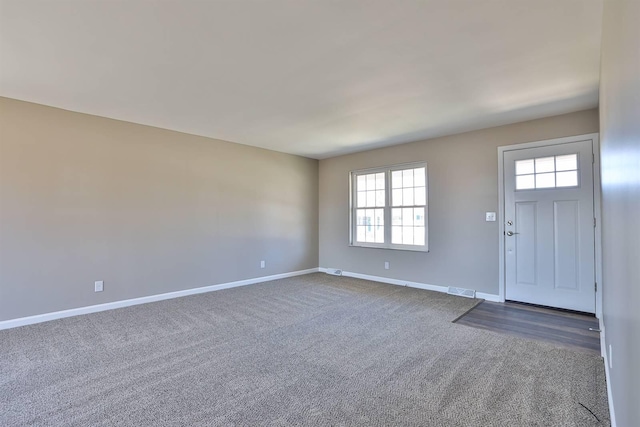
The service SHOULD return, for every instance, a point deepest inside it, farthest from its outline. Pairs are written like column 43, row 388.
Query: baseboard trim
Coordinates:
column 398, row 282
column 39, row 318
column 607, row 376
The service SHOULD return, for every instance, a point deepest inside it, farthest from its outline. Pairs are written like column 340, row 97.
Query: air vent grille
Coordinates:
column 469, row 293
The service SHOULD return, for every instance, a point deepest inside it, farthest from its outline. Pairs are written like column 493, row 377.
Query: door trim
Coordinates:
column 595, row 138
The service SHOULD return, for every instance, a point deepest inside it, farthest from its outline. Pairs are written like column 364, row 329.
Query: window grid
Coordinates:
column 389, row 207
column 547, row 172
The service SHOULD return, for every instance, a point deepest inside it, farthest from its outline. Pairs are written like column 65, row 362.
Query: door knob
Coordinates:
column 511, row 233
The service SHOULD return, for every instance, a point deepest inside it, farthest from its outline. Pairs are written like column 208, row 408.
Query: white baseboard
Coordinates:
column 488, row 297
column 23, row 321
column 436, row 288
column 605, row 354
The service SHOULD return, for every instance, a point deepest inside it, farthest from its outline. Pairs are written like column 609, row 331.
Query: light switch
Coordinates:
column 490, row 216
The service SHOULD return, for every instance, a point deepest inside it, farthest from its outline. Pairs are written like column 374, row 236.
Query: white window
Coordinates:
column 547, row 172
column 389, row 207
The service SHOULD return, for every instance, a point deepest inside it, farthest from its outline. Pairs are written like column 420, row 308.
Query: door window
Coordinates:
column 547, row 172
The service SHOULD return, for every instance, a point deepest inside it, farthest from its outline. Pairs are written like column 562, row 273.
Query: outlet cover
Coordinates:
column 386, row 265
column 99, row 286
column 263, row 264
column 490, row 216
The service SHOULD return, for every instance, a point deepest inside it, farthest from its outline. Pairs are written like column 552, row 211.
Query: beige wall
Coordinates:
column 463, row 185
column 84, row 198
column 620, row 163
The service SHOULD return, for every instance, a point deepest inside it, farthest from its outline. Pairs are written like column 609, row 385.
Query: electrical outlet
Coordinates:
column 263, row 264
column 99, row 286
column 490, row 216
column 386, row 265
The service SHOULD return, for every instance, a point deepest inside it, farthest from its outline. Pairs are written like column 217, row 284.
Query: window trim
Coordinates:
column 387, row 208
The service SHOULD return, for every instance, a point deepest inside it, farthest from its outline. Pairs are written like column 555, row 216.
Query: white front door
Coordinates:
column 549, row 225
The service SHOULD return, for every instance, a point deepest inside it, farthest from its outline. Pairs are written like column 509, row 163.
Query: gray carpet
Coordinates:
column 309, row 350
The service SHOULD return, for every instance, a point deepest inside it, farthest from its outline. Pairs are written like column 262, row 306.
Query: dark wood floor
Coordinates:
column 568, row 329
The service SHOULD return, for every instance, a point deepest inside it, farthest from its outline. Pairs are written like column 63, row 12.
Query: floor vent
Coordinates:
column 469, row 293
column 334, row 271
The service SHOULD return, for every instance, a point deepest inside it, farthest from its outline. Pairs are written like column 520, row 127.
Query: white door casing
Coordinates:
column 549, row 242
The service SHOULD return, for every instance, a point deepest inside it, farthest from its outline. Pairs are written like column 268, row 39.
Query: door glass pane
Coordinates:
column 545, row 180
column 525, row 182
column 567, row 179
column 566, row 163
column 545, row 164
column 524, row 167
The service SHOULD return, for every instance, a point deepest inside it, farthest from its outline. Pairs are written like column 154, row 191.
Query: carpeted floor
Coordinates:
column 309, row 350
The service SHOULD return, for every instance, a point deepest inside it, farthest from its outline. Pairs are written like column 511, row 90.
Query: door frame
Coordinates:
column 595, row 138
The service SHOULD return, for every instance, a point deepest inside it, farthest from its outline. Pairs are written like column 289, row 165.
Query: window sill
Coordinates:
column 392, row 248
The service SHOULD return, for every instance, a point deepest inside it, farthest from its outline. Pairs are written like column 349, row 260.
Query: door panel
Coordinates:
column 566, row 218
column 549, row 234
column 526, row 243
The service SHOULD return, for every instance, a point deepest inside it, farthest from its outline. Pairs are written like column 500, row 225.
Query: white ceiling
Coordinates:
column 315, row 78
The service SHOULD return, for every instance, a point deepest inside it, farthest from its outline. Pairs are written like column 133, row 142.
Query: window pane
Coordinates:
column 396, row 216
column 396, row 179
column 524, row 167
column 407, row 197
column 545, row 180
column 407, row 178
column 396, row 235
column 525, row 182
column 361, row 183
column 418, row 236
column 566, row 163
column 380, row 198
column 362, row 199
column 380, row 181
column 545, row 164
column 361, row 217
column 418, row 215
column 407, row 235
column 567, row 179
column 379, row 216
column 396, row 196
column 371, row 199
column 419, row 177
column 379, row 225
column 360, row 236
column 369, row 234
column 371, row 181
column 407, row 216
column 420, row 196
